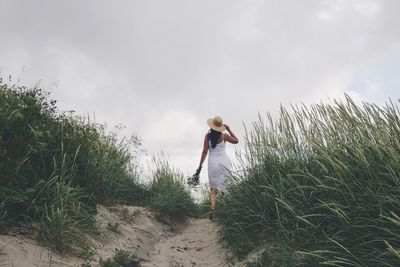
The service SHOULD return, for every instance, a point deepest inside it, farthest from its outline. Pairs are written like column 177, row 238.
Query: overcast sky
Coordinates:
column 161, row 68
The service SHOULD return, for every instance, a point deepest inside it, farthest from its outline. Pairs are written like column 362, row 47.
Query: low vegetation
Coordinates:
column 122, row 258
column 320, row 186
column 169, row 196
column 56, row 167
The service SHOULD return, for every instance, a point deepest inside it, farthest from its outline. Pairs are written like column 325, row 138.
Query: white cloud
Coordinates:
column 368, row 7
column 163, row 67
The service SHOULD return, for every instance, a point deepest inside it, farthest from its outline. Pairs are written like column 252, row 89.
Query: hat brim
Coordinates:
column 211, row 124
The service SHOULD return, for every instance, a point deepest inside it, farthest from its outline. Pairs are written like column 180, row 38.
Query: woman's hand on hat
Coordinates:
column 227, row 127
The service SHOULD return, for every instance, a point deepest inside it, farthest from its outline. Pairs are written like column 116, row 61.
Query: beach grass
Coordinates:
column 320, row 185
column 170, row 196
column 56, row 167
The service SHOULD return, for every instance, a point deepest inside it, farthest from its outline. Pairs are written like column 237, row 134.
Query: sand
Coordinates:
column 133, row 229
column 197, row 245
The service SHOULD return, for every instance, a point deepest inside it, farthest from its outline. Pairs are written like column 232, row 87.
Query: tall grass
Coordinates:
column 55, row 168
column 321, row 184
column 169, row 196
column 64, row 219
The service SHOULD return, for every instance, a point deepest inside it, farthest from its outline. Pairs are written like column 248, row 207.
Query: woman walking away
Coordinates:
column 218, row 161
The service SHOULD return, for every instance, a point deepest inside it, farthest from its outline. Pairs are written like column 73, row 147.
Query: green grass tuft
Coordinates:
column 169, row 196
column 121, row 258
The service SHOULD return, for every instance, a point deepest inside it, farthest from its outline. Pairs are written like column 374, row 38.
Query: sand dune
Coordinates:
column 133, row 229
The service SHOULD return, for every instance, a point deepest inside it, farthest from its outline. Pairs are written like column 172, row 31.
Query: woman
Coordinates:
column 218, row 161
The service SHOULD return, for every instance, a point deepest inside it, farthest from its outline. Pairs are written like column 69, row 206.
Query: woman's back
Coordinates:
column 218, row 166
column 218, row 149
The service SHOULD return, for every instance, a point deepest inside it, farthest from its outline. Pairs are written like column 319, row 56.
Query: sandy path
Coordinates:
column 196, row 245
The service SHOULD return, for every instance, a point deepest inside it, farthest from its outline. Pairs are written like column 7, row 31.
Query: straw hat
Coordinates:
column 216, row 124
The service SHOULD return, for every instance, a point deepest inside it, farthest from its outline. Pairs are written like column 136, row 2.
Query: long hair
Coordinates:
column 214, row 137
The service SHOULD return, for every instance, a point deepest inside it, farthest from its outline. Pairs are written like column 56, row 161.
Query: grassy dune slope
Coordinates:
column 55, row 168
column 320, row 186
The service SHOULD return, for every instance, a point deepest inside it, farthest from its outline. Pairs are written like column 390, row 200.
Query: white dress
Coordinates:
column 219, row 166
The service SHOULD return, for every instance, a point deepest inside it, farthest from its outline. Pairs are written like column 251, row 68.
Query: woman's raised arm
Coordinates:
column 231, row 137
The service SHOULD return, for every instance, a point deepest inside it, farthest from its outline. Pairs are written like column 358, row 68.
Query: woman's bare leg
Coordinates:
column 213, row 201
column 213, row 198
